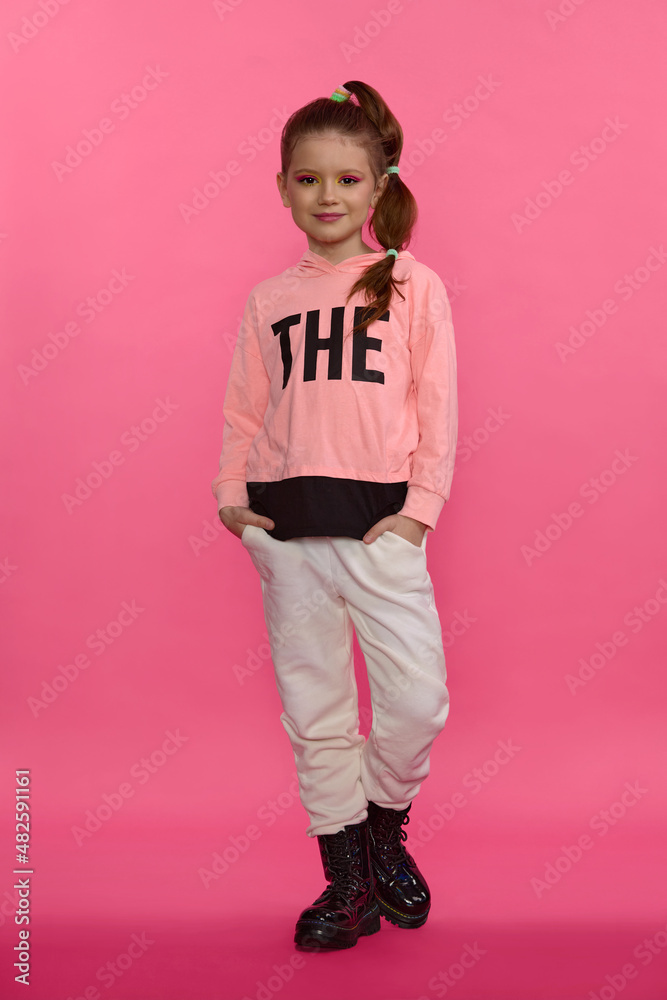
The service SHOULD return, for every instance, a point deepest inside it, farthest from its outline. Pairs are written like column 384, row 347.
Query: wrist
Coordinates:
column 414, row 520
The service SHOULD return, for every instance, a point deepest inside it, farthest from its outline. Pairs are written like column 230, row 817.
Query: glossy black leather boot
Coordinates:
column 346, row 909
column 400, row 888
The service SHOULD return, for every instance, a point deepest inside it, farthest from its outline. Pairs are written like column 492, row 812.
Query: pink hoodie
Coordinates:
column 303, row 401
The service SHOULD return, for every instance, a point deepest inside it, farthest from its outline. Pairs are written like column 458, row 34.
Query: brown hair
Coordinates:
column 371, row 125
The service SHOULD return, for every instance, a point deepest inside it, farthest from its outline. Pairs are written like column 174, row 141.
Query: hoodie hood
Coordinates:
column 312, row 264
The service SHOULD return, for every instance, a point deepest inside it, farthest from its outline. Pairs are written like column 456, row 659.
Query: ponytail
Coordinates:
column 370, row 124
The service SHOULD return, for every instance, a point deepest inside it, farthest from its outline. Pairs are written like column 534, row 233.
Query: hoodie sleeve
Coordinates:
column 245, row 403
column 433, row 363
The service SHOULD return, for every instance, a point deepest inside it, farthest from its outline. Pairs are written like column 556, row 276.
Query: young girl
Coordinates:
column 338, row 454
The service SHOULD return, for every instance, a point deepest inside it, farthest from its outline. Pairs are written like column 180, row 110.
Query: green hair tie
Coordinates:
column 395, row 253
column 392, row 170
column 340, row 94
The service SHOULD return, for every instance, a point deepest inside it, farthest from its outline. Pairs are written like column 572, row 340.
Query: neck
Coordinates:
column 335, row 253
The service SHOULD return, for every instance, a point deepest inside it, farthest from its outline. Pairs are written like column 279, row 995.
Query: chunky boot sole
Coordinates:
column 317, row 935
column 401, row 919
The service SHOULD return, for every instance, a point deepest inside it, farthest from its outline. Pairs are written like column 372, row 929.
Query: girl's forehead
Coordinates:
column 328, row 150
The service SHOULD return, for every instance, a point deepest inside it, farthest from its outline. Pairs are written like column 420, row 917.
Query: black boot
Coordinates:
column 400, row 888
column 346, row 909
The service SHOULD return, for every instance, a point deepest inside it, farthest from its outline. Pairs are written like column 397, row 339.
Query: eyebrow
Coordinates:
column 346, row 170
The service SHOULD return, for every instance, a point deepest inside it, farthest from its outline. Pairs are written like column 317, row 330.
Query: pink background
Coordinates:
column 528, row 261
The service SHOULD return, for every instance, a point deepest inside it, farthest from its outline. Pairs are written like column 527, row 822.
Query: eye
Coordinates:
column 309, row 177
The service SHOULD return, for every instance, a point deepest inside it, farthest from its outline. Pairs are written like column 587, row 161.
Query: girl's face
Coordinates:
column 329, row 175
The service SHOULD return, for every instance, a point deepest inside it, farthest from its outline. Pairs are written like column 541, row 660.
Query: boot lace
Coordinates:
column 339, row 861
column 391, row 835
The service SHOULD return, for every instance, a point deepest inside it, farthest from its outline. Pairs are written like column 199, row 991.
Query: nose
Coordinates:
column 328, row 194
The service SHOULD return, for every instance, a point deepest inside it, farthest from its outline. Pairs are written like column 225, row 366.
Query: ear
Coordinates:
column 379, row 188
column 280, row 180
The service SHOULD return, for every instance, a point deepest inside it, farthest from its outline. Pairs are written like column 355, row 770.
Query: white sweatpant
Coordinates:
column 314, row 589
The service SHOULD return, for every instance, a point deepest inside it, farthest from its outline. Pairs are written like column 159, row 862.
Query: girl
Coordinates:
column 338, row 454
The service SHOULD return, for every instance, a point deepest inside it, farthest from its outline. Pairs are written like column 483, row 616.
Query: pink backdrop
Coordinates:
column 167, row 840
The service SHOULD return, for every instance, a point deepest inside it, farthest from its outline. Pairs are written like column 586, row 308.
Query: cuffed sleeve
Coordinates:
column 434, row 375
column 244, row 406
